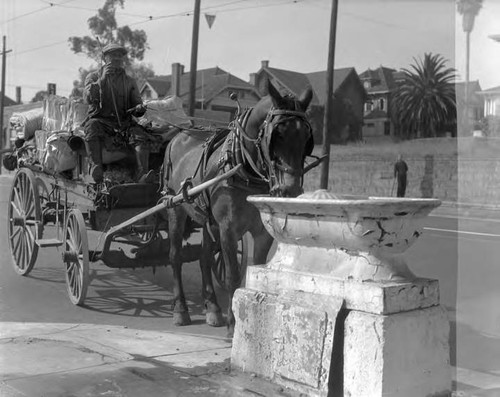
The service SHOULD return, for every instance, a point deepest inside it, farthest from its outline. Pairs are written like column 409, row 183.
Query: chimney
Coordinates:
column 177, row 71
column 264, row 64
column 18, row 95
column 253, row 79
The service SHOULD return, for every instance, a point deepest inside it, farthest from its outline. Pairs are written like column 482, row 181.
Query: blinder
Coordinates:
column 274, row 118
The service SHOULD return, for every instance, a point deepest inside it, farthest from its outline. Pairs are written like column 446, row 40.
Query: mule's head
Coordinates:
column 286, row 140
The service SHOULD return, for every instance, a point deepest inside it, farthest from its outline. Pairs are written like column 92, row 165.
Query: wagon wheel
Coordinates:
column 76, row 257
column 24, row 221
column 219, row 268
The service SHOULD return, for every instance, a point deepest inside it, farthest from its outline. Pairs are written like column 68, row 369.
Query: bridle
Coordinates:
column 267, row 168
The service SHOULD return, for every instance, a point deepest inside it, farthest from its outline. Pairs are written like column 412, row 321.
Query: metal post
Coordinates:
column 329, row 99
column 466, row 90
column 194, row 56
column 2, row 97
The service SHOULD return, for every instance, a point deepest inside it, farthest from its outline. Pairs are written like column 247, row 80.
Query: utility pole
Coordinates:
column 194, row 58
column 2, row 97
column 327, row 117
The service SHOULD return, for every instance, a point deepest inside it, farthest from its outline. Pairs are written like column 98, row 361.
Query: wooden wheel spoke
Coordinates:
column 17, row 244
column 24, row 190
column 69, row 267
column 72, row 238
column 30, row 232
column 30, row 207
column 22, row 256
column 16, row 202
column 30, row 240
column 15, row 233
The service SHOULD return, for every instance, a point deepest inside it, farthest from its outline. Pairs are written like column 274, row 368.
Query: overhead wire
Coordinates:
column 190, row 12
column 50, row 5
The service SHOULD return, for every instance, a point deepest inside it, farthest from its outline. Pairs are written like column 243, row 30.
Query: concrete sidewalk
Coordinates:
column 77, row 360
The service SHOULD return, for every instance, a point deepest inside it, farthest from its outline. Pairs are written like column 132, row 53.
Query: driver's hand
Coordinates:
column 139, row 110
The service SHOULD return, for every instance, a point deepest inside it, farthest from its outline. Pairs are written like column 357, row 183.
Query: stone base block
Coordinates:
column 285, row 339
column 405, row 354
column 367, row 296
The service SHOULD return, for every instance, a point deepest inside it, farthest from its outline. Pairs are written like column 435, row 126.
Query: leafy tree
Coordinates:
column 40, row 96
column 469, row 10
column 425, row 102
column 105, row 30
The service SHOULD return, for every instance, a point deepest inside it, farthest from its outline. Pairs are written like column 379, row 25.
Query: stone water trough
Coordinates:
column 337, row 310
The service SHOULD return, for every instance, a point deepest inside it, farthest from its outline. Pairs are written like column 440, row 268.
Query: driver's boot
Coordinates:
column 144, row 175
column 94, row 152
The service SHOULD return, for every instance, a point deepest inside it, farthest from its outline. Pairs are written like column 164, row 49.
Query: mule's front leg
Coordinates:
column 213, row 312
column 229, row 250
column 176, row 223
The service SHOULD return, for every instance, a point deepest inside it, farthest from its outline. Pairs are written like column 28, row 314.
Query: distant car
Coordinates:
column 478, row 134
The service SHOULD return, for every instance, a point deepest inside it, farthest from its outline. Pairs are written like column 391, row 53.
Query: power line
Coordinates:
column 188, row 13
column 39, row 47
column 37, row 10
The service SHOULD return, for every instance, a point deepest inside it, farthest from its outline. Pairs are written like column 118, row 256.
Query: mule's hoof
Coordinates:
column 182, row 318
column 215, row 319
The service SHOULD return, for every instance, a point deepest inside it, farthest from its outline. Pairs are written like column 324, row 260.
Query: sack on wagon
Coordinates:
column 55, row 113
column 41, row 137
column 58, row 155
column 162, row 114
column 77, row 113
column 24, row 124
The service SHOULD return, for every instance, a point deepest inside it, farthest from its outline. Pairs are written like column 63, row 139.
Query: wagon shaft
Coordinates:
column 118, row 259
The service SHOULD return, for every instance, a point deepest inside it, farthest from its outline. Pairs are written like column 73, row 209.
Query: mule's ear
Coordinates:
column 305, row 98
column 274, row 94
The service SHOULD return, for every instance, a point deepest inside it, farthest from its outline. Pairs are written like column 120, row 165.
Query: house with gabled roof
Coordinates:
column 491, row 98
column 379, row 85
column 348, row 92
column 213, row 87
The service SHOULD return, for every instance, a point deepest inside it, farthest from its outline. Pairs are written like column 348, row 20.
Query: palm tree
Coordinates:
column 469, row 10
column 425, row 100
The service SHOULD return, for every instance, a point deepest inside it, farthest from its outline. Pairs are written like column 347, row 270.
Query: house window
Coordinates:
column 368, row 107
column 366, row 84
column 382, row 104
column 146, row 93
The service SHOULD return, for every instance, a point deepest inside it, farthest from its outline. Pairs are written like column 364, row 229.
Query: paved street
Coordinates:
column 460, row 251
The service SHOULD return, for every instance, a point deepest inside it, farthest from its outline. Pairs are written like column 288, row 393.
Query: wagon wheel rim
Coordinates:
column 219, row 269
column 24, row 221
column 76, row 257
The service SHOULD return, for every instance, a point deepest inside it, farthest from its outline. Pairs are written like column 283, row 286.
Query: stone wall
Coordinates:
column 475, row 181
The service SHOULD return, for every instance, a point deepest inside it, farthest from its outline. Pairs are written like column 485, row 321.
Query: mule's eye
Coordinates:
column 279, row 133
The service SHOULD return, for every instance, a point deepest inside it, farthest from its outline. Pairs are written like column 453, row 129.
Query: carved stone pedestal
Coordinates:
column 336, row 311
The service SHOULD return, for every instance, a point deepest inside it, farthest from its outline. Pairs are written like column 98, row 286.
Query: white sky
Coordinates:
column 291, row 34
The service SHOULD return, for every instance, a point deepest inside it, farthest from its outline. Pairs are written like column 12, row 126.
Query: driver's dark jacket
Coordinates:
column 125, row 91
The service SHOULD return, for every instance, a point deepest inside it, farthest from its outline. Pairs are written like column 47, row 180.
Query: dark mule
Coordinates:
column 271, row 142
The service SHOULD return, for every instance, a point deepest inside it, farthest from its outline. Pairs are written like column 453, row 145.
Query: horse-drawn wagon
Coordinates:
column 263, row 151
column 53, row 206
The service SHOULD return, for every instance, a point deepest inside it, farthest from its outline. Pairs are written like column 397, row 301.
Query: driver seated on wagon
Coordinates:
column 114, row 98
